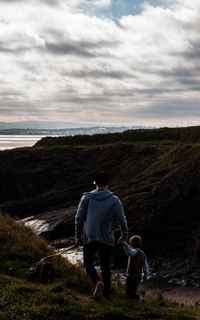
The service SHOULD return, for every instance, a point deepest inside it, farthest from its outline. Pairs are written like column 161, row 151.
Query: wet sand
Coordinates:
column 171, row 292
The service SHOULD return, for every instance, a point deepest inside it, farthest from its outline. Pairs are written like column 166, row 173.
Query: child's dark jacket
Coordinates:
column 137, row 262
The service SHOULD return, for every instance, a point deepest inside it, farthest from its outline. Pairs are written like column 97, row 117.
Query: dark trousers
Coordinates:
column 131, row 286
column 89, row 253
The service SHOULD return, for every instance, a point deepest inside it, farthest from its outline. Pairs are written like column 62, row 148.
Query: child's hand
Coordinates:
column 122, row 241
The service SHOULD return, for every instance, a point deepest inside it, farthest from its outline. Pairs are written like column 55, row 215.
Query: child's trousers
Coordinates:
column 132, row 282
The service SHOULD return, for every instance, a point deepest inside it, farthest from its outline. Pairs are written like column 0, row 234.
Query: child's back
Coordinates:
column 137, row 264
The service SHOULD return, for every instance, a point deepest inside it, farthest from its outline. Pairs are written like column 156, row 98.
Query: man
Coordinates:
column 96, row 211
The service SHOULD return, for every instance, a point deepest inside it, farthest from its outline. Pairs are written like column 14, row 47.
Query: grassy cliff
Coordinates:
column 156, row 174
column 68, row 297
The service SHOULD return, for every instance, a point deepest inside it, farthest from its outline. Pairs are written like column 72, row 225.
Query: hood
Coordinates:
column 99, row 194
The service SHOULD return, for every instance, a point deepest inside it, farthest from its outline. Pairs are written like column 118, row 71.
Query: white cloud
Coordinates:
column 88, row 4
column 102, row 3
column 64, row 62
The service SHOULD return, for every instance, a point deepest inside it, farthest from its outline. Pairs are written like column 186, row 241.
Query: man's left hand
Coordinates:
column 78, row 241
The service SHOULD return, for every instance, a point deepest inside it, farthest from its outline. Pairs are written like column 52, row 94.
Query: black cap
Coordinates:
column 102, row 178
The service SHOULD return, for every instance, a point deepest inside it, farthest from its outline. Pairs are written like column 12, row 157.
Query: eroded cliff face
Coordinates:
column 156, row 174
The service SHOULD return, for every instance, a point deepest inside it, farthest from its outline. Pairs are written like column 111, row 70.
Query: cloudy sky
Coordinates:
column 114, row 62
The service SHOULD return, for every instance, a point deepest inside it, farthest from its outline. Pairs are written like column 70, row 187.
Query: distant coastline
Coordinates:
column 70, row 131
column 18, row 138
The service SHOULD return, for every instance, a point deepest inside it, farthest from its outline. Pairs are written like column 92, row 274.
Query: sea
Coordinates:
column 18, row 141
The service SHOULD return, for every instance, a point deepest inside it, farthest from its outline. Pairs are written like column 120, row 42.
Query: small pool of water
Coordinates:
column 36, row 225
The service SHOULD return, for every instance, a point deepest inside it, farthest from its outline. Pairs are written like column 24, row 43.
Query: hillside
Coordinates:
column 20, row 296
column 68, row 297
column 156, row 173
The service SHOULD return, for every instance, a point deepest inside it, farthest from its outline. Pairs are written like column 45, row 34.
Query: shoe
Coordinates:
column 140, row 299
column 98, row 288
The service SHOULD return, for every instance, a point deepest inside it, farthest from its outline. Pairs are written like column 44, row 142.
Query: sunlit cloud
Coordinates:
column 78, row 61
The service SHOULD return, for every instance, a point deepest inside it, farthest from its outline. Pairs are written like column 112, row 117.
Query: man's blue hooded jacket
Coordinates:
column 94, row 218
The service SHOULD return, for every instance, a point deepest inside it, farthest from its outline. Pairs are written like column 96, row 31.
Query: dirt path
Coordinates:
column 173, row 293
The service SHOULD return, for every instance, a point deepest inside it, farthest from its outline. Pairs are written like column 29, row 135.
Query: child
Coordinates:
column 137, row 264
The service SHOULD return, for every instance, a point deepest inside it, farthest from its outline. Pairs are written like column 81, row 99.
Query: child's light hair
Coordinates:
column 135, row 242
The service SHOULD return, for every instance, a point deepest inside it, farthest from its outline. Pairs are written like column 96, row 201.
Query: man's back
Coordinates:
column 97, row 210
